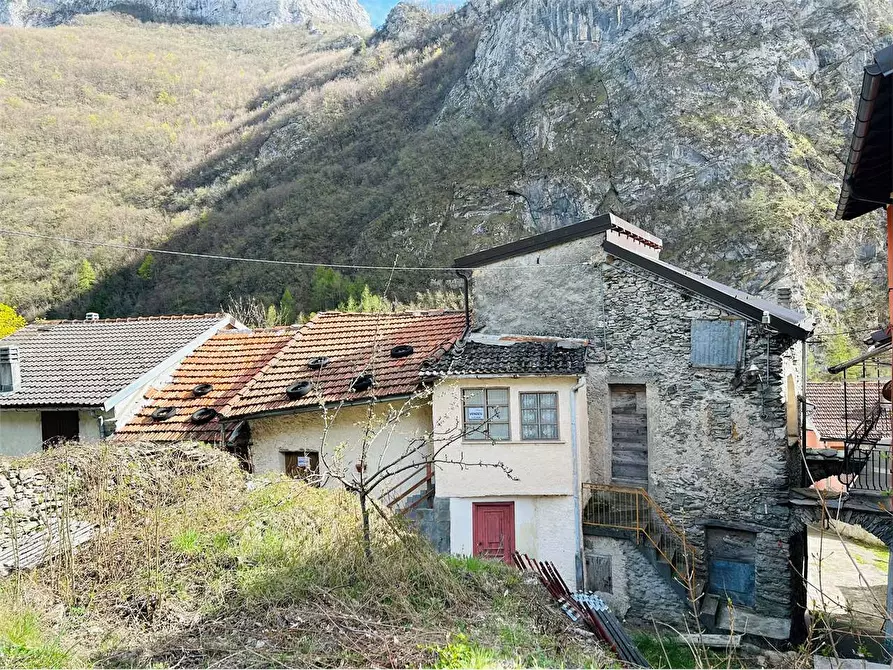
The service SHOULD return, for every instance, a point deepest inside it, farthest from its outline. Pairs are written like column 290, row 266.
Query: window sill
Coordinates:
column 510, row 443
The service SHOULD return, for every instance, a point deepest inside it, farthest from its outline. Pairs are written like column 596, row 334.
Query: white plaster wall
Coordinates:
column 271, row 436
column 20, row 432
column 545, row 529
column 539, row 468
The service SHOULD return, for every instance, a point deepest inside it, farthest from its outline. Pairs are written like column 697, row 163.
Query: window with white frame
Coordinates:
column 486, row 413
column 539, row 416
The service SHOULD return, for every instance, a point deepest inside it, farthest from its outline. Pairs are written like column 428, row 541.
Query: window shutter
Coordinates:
column 717, row 344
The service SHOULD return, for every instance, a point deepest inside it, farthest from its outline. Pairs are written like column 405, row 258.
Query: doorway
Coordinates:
column 629, row 435
column 493, row 530
column 59, row 427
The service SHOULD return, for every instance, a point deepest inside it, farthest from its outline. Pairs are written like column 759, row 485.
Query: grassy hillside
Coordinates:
column 194, row 569
column 229, row 141
column 96, row 117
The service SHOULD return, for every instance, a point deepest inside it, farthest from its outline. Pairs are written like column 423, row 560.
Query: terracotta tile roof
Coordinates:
column 355, row 344
column 827, row 411
column 84, row 363
column 512, row 355
column 227, row 361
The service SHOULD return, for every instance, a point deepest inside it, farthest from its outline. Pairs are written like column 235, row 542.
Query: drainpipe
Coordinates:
column 465, row 276
column 578, row 491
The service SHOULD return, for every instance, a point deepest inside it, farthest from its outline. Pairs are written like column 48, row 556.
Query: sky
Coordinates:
column 378, row 9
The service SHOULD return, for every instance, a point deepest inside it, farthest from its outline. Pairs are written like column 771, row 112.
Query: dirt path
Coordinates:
column 838, row 576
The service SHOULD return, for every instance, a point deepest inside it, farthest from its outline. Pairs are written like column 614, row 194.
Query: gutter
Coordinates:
column 310, row 408
column 578, row 488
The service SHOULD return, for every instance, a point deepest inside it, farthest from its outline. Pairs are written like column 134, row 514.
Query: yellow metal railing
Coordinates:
column 633, row 509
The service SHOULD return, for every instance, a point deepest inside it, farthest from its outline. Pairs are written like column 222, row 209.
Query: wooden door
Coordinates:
column 629, row 436
column 493, row 530
column 59, row 427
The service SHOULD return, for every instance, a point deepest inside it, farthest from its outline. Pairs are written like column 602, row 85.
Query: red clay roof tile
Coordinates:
column 227, row 361
column 355, row 344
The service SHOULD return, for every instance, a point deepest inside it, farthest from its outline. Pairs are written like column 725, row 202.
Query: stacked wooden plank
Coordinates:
column 37, row 548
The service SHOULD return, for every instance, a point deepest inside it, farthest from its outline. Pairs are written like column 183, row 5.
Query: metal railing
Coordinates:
column 875, row 473
column 633, row 509
column 423, row 479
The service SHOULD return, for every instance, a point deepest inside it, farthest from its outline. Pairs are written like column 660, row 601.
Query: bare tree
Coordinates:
column 365, row 475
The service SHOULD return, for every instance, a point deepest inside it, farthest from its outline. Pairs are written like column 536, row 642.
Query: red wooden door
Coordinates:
column 493, row 530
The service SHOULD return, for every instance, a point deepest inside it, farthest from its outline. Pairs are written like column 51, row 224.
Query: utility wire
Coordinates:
column 270, row 261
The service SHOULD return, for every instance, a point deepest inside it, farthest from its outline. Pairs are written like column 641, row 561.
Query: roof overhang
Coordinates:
column 868, row 178
column 577, row 231
column 301, row 409
column 782, row 319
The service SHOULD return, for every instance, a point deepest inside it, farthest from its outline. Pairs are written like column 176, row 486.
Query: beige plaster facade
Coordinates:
column 545, row 474
column 340, row 447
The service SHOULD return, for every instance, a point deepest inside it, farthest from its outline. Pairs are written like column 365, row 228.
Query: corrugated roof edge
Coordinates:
column 873, row 74
column 788, row 321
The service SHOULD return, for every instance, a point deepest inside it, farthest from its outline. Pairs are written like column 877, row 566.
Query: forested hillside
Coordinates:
column 717, row 126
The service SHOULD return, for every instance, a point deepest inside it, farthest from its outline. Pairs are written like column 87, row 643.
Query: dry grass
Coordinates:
column 194, row 568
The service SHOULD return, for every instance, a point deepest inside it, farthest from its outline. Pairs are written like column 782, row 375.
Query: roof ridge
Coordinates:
column 143, row 319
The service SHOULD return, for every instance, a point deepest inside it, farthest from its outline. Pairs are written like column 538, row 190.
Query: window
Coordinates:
column 486, row 414
column 539, row 416
column 9, row 369
column 302, row 464
column 717, row 344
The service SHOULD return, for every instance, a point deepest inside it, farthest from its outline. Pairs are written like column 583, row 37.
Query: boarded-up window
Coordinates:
column 598, row 573
column 731, row 565
column 717, row 344
column 302, row 465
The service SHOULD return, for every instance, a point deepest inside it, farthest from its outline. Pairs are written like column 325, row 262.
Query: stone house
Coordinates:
column 690, row 423
column 78, row 380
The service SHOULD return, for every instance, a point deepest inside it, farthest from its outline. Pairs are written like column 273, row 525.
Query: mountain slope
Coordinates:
column 349, row 13
column 716, row 125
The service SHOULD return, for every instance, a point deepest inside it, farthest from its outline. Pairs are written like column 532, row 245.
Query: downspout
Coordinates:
column 578, row 490
column 101, row 421
column 465, row 277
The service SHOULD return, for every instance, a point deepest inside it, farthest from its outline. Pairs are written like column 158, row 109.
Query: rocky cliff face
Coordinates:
column 717, row 125
column 217, row 12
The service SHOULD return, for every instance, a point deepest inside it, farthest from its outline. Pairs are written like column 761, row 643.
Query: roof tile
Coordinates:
column 84, row 363
column 227, row 361
column 355, row 344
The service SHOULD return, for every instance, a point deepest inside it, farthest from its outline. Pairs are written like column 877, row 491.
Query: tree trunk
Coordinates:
column 367, row 535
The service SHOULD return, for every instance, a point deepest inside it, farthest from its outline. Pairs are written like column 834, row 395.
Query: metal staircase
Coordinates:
column 631, row 513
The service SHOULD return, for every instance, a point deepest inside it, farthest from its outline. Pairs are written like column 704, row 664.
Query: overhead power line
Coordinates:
column 270, row 261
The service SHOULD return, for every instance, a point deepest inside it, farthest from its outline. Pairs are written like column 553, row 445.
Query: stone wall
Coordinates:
column 27, row 502
column 638, row 592
column 718, row 451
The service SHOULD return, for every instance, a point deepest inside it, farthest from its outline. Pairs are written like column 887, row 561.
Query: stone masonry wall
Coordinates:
column 718, row 455
column 27, row 502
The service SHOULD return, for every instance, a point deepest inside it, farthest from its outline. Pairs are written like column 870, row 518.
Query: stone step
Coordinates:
column 708, row 611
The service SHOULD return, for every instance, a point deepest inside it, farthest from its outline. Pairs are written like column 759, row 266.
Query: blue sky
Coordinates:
column 378, row 9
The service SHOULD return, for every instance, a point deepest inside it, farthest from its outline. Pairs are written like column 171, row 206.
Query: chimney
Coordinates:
column 783, row 296
column 92, row 316
column 10, row 372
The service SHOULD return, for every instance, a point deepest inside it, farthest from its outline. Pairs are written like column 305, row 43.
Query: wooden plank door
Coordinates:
column 493, row 530
column 629, row 436
column 59, row 427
